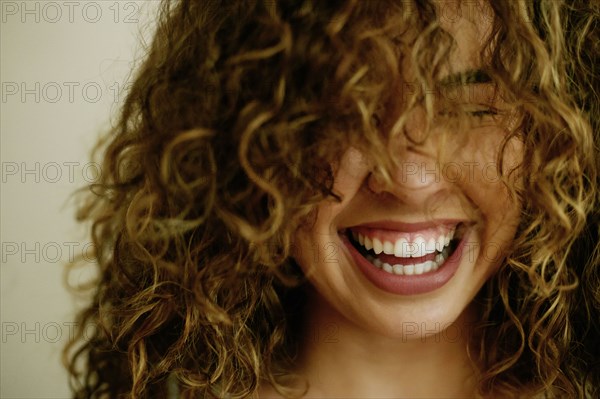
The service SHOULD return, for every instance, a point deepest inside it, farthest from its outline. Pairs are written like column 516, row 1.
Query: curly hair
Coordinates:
column 224, row 147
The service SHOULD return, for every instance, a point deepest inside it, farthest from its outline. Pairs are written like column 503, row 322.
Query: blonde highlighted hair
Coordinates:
column 224, row 147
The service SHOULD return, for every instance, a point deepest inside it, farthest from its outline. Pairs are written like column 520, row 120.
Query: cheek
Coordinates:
column 493, row 195
column 351, row 172
column 318, row 242
column 489, row 188
column 349, row 177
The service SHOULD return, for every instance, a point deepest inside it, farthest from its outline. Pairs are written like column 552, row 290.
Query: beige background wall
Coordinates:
column 63, row 69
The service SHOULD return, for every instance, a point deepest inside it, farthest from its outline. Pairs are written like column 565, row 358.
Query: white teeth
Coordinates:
column 431, row 245
column 400, row 248
column 427, row 266
column 411, row 269
column 388, row 248
column 419, row 268
column 377, row 246
column 440, row 243
column 419, row 247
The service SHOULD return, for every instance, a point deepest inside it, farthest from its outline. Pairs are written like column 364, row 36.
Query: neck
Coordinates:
column 341, row 359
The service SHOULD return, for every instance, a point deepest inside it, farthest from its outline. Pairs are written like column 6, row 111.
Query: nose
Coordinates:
column 417, row 177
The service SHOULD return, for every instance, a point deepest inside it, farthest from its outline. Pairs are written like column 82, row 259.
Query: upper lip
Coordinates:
column 409, row 227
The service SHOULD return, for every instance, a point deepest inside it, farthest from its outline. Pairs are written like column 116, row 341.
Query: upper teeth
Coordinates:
column 404, row 248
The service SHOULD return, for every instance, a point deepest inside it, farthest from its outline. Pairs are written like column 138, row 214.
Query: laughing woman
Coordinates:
column 387, row 199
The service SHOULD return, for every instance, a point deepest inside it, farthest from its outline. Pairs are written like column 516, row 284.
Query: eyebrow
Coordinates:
column 468, row 77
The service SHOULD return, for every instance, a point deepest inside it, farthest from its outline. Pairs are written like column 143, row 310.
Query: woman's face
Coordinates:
column 406, row 259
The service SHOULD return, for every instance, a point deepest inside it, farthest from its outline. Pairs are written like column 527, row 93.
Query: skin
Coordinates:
column 364, row 342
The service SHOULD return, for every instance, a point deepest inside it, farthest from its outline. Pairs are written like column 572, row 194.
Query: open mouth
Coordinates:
column 407, row 254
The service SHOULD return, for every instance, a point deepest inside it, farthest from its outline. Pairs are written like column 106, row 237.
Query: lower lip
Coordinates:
column 407, row 285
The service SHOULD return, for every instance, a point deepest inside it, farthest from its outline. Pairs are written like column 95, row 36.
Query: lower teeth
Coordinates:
column 414, row 269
